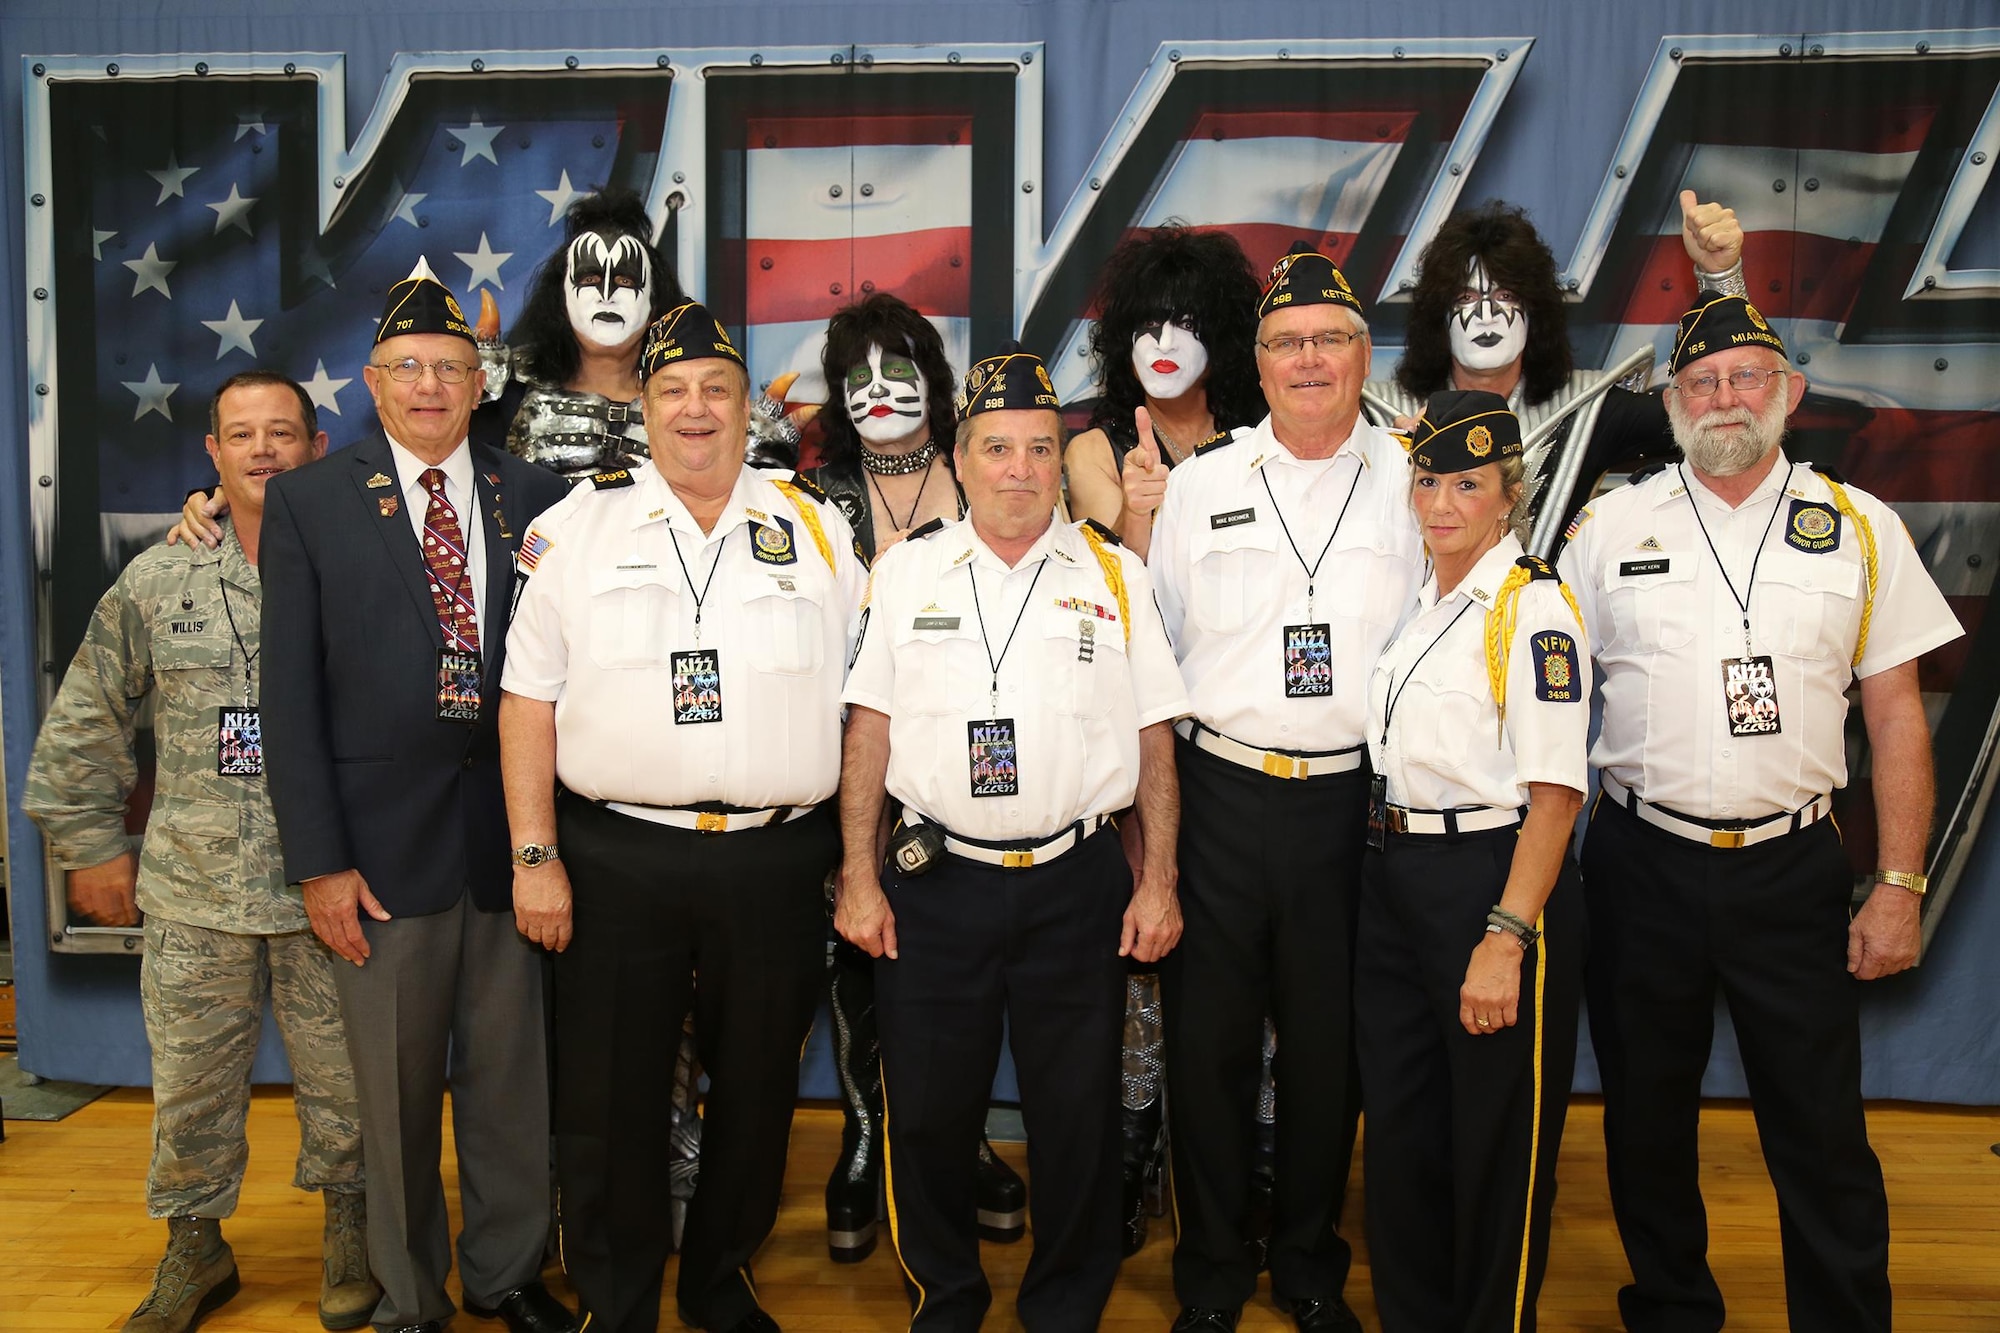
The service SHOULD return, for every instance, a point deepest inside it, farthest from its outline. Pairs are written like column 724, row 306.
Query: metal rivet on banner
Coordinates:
column 838, row 58
column 112, row 69
column 1804, row 358
column 1284, row 53
column 680, row 178
column 569, row 62
column 1778, row 186
column 478, row 66
column 38, row 199
column 1979, row 159
column 48, row 481
column 1174, row 57
column 1777, row 286
column 1096, row 184
column 451, row 145
column 290, row 69
column 1674, row 54
column 424, row 221
column 957, row 262
column 764, row 263
column 42, row 391
column 340, row 182
column 1666, row 284
column 1812, row 183
column 1974, row 561
column 1398, row 53
column 663, row 62
column 867, row 61
column 1027, row 187
column 951, row 58
column 41, row 293
column 867, row 190
column 833, row 288
column 1940, row 364
column 676, row 202
column 1501, row 56
column 1818, row 50
column 201, row 67
column 756, row 59
column 1619, row 171
column 1406, row 286
column 597, row 141
column 40, row 69
column 1027, row 57
column 1930, row 281
column 1573, row 285
column 1923, row 48
column 522, row 141
column 867, row 286
column 1785, row 50
column 833, row 190
column 1458, row 168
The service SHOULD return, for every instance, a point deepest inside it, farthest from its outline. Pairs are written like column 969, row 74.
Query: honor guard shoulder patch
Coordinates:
column 922, row 530
column 1106, row 533
column 1556, row 673
column 810, row 487
column 1537, row 567
column 612, row 480
column 1812, row 527
column 1828, row 471
column 1222, row 439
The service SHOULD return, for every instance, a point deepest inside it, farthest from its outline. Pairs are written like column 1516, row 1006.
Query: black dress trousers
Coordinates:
column 1670, row 920
column 1037, row 950
column 734, row 926
column 1462, row 1130
column 1270, row 872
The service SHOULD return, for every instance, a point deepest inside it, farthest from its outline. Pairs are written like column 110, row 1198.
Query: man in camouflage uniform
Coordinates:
column 179, row 631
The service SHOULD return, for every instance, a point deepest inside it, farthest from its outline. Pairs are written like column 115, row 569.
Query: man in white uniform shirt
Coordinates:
column 1731, row 600
column 1284, row 557
column 1013, row 689
column 675, row 665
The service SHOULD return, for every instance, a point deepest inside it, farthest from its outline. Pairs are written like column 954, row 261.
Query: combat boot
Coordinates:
column 348, row 1293
column 854, row 1188
column 197, row 1275
column 1003, row 1198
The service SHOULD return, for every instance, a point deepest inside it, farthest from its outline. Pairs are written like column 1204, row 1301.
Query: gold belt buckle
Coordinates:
column 1725, row 837
column 1397, row 819
column 1017, row 860
column 708, row 822
column 1283, row 765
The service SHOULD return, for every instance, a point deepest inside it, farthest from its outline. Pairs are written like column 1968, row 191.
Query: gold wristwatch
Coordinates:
column 535, row 853
column 1904, row 879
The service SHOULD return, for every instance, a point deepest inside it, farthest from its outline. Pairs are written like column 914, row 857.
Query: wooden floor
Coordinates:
column 77, row 1250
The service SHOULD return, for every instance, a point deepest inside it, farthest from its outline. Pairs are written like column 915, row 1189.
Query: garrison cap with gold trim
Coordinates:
column 1717, row 324
column 1010, row 380
column 685, row 333
column 422, row 304
column 1306, row 277
column 1462, row 429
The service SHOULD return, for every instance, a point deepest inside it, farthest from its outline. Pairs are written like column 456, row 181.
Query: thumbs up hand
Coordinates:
column 1713, row 238
column 1144, row 477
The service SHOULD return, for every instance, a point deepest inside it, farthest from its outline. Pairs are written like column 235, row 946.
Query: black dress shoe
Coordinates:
column 528, row 1309
column 428, row 1326
column 1315, row 1316
column 754, row 1322
column 1206, row 1319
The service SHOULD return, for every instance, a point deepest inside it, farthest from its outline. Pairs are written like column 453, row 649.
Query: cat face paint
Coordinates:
column 1167, row 357
column 609, row 291
column 887, row 397
column 1487, row 326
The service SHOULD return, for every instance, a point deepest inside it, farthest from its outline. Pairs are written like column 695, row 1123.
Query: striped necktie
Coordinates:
column 450, row 568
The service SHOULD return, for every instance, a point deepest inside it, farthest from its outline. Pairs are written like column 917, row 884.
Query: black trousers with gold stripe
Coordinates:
column 732, row 925
column 1460, row 1132
column 1671, row 921
column 1037, row 950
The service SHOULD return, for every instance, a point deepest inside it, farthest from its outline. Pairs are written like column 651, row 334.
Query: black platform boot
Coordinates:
column 1142, row 1118
column 1264, row 1166
column 854, row 1189
column 684, row 1131
column 1003, row 1198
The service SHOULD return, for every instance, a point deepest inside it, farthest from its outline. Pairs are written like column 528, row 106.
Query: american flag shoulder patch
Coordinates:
column 533, row 547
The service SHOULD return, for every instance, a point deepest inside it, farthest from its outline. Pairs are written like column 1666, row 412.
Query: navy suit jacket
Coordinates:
column 363, row 774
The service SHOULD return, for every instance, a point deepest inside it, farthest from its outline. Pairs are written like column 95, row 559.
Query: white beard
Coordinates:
column 907, row 401
column 1489, row 331
column 1177, row 345
column 1717, row 453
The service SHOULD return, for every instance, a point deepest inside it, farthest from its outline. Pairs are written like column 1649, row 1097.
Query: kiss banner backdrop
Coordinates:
column 204, row 192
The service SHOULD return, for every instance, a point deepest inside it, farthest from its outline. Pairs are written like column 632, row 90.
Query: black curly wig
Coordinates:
column 542, row 332
column 1516, row 258
column 1165, row 273
column 897, row 327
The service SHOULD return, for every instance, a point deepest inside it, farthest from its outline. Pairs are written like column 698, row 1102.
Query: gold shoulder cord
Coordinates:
column 1500, row 630
column 1114, row 576
column 809, row 516
column 1868, row 557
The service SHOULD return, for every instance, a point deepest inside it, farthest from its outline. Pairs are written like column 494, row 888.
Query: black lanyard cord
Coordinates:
column 1743, row 600
column 993, row 687
column 1390, row 710
column 249, row 658
column 702, row 596
column 1312, row 570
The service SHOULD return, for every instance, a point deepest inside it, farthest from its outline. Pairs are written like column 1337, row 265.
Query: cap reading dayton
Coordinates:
column 1462, row 429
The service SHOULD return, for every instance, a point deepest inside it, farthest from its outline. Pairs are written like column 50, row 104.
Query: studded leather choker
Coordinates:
column 899, row 465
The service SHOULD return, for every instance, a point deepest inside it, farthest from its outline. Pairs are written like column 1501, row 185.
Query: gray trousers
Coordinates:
column 202, row 992
column 450, row 999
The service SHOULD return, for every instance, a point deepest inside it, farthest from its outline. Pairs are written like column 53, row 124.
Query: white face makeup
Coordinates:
column 888, row 398
column 1488, row 327
column 609, row 292
column 1168, row 359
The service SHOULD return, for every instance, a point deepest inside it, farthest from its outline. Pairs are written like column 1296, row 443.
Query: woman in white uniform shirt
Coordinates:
column 1470, row 945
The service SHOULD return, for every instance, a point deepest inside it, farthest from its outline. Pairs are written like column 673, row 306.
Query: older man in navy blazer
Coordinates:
column 389, row 576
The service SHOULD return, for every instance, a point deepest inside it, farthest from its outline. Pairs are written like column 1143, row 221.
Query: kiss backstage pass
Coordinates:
column 458, row 686
column 239, row 743
column 1378, row 812
column 697, row 686
column 1308, row 661
column 989, row 748
column 1750, row 691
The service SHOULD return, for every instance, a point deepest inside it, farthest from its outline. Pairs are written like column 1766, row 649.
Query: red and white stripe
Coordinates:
column 811, row 251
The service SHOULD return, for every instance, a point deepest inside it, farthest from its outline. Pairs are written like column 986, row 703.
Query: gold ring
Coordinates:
column 1485, row 1023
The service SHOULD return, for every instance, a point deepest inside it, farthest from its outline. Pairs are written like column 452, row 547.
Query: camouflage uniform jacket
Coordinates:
column 162, row 632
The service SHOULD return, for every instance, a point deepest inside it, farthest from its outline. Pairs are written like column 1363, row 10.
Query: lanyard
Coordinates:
column 708, row 583
column 993, row 685
column 1390, row 710
column 1312, row 570
column 1743, row 600
column 249, row 658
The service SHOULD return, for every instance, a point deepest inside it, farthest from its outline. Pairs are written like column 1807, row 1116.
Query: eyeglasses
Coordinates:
column 1292, row 346
column 408, row 370
column 1744, row 379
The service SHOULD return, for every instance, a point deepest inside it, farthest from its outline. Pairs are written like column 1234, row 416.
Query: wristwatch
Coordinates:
column 535, row 853
column 1905, row 879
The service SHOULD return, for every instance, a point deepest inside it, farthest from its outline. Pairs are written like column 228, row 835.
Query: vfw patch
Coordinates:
column 1556, row 672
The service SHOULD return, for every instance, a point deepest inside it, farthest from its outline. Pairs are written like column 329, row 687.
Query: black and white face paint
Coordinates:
column 1167, row 357
column 610, row 288
column 1488, row 327
column 887, row 398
